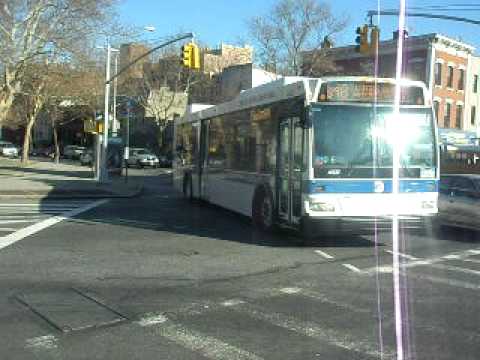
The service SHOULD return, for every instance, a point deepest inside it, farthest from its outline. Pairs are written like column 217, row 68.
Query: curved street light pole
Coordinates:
column 108, row 79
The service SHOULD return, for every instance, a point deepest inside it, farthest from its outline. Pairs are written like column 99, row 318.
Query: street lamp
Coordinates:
column 103, row 176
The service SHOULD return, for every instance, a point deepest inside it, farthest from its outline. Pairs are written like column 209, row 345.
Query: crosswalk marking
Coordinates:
column 38, row 224
column 423, row 262
column 409, row 257
column 15, row 216
column 208, row 346
column 311, row 329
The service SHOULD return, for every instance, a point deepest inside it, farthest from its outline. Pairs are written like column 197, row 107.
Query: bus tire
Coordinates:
column 263, row 209
column 187, row 188
column 307, row 232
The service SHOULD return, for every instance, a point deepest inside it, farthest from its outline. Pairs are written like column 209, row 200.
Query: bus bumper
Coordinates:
column 362, row 225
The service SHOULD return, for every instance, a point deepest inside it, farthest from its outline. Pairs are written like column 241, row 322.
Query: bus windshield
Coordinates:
column 357, row 142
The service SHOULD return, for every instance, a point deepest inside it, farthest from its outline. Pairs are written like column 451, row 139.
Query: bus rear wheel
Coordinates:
column 263, row 210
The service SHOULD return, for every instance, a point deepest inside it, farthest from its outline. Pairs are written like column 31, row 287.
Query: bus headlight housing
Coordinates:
column 430, row 204
column 321, row 206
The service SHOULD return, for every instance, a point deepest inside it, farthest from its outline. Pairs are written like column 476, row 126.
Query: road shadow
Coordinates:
column 161, row 209
column 450, row 233
column 83, row 174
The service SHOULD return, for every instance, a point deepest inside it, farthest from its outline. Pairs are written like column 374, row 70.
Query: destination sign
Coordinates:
column 369, row 92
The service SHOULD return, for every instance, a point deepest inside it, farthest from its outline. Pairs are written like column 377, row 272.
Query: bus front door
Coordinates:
column 289, row 192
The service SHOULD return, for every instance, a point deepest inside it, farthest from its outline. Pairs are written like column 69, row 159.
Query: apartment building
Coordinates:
column 472, row 109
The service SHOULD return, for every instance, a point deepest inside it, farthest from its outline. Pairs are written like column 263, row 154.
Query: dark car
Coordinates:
column 165, row 161
column 459, row 201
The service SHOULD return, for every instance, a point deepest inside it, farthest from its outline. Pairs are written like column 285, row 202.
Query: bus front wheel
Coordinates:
column 263, row 209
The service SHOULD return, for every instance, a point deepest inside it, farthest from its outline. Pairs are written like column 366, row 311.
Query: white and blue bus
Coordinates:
column 313, row 154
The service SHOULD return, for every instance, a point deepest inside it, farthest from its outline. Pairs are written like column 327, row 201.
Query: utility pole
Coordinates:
column 115, row 83
column 104, row 168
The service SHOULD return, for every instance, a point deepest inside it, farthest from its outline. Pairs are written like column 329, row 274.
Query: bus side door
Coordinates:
column 290, row 170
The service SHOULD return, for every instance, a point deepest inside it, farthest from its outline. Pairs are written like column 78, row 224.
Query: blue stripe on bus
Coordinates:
column 368, row 186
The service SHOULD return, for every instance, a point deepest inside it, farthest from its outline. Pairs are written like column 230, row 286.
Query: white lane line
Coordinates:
column 290, row 290
column 17, row 221
column 406, row 256
column 352, row 268
column 152, row 319
column 7, row 229
column 423, row 262
column 455, row 268
column 43, row 342
column 444, row 281
column 20, row 217
column 32, row 229
column 474, row 261
column 68, row 204
column 232, row 302
column 451, row 257
column 313, row 330
column 312, row 294
column 206, row 345
column 324, row 254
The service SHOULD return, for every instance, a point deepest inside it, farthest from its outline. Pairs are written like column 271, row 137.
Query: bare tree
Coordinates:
column 34, row 29
column 290, row 28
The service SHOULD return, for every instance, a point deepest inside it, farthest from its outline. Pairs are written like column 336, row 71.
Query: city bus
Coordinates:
column 313, row 154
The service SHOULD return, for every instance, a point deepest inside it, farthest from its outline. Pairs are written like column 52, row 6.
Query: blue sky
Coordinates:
column 216, row 21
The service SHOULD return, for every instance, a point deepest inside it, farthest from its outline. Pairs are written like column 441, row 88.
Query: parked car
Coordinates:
column 73, row 152
column 8, row 149
column 45, row 151
column 141, row 157
column 87, row 158
column 459, row 201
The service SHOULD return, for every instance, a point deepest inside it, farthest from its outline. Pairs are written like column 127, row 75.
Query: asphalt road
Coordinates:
column 158, row 278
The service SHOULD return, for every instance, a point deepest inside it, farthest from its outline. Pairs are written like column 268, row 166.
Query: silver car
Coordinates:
column 8, row 149
column 73, row 151
column 142, row 157
column 459, row 201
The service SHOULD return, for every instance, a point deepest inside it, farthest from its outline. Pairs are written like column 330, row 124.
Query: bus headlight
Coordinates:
column 431, row 204
column 321, row 206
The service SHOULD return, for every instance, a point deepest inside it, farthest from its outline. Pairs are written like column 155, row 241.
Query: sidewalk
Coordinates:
column 45, row 179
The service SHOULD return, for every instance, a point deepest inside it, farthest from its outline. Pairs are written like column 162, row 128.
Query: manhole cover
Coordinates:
column 71, row 309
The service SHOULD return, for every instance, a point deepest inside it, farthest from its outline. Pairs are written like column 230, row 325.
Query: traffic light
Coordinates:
column 191, row 56
column 374, row 39
column 196, row 57
column 362, row 40
column 187, row 55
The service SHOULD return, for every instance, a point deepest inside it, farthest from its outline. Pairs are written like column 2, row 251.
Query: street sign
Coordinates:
column 89, row 126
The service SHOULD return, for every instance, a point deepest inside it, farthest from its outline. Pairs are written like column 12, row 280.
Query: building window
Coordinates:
column 438, row 74
column 458, row 117
column 446, row 116
column 450, row 77
column 461, row 79
column 475, row 83
column 473, row 115
column 436, row 107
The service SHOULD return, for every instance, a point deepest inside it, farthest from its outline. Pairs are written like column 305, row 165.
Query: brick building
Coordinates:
column 213, row 61
column 441, row 62
column 130, row 52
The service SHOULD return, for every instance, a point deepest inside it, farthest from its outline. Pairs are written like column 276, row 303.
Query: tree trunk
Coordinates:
column 26, row 140
column 55, row 142
column 7, row 94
